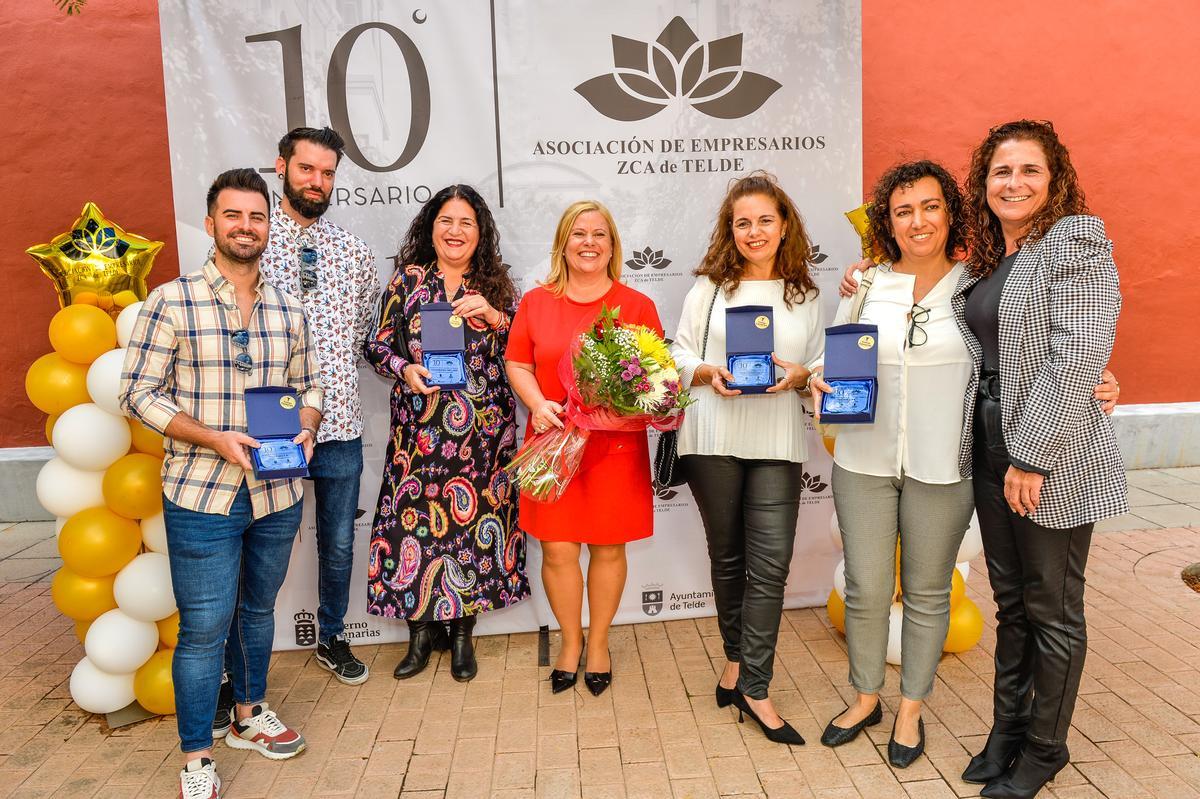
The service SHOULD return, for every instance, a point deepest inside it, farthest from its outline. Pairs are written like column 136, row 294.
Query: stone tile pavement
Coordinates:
column 657, row 732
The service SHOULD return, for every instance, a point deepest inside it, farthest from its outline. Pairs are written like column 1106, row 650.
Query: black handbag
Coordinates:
column 667, row 472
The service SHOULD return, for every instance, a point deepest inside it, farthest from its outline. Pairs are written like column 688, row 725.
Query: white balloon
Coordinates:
column 835, row 532
column 118, row 644
column 143, row 587
column 58, row 525
column 98, row 691
column 895, row 625
column 89, row 438
column 964, row 569
column 972, row 543
column 125, row 322
column 839, row 578
column 65, row 490
column 104, row 381
column 154, row 533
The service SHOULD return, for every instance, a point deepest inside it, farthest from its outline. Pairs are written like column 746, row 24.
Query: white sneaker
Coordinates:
column 199, row 780
column 264, row 732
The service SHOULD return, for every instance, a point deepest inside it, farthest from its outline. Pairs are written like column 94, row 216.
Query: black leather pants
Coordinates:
column 1037, row 580
column 749, row 510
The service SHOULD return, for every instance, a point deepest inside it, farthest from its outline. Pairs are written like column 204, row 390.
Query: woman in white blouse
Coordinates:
column 742, row 453
column 899, row 477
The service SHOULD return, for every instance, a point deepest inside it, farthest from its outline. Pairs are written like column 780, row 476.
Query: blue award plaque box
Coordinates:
column 443, row 346
column 273, row 417
column 749, row 342
column 851, row 370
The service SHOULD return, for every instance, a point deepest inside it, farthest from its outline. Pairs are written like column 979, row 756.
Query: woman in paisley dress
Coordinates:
column 445, row 545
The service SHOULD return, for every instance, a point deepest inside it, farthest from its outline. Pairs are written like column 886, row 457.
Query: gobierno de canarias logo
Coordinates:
column 649, row 76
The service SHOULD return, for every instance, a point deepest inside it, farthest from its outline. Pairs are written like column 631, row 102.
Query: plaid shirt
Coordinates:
column 180, row 358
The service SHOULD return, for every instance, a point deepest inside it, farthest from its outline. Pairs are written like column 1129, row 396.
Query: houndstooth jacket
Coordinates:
column 1058, row 319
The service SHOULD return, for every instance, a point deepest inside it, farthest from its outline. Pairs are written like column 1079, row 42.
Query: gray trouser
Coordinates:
column 930, row 521
column 749, row 510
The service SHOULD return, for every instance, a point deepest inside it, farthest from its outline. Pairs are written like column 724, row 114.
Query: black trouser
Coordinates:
column 1037, row 580
column 749, row 510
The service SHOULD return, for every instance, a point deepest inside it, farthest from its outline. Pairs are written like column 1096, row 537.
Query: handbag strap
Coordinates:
column 860, row 296
column 708, row 322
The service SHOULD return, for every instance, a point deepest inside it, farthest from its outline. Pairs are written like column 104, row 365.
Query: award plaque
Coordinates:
column 273, row 419
column 751, row 371
column 445, row 368
column 749, row 342
column 851, row 370
column 443, row 346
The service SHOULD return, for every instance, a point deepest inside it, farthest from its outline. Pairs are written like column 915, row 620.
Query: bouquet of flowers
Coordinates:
column 618, row 377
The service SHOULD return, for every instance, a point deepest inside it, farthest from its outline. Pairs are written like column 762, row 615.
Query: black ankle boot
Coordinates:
column 423, row 638
column 463, row 665
column 1035, row 766
column 1003, row 743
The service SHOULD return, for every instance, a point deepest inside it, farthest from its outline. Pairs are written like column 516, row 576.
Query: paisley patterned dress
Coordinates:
column 444, row 543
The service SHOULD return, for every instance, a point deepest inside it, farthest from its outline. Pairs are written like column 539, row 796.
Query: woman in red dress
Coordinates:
column 609, row 501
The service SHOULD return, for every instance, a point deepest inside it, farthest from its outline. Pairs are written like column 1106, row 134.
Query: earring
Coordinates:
column 279, row 175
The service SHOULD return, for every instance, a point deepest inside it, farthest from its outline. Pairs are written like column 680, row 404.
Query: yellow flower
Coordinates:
column 651, row 346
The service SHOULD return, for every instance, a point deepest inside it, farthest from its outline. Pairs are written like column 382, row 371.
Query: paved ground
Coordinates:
column 656, row 733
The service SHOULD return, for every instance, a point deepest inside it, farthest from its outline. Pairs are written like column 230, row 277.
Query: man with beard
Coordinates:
column 199, row 343
column 332, row 273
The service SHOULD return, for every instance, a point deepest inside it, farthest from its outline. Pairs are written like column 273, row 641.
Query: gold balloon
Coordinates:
column 133, row 486
column 966, row 627
column 50, row 420
column 82, row 333
column 146, row 440
column 81, row 628
column 152, row 684
column 96, row 542
column 97, row 262
column 862, row 226
column 958, row 589
column 168, row 630
column 82, row 598
column 54, row 384
column 836, row 608
column 830, row 442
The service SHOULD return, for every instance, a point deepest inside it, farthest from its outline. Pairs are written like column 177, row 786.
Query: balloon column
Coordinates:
column 104, row 483
column 966, row 622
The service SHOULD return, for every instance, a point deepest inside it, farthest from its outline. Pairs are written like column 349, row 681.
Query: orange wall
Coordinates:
column 86, row 121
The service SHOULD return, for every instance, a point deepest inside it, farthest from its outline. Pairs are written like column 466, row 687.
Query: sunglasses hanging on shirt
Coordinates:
column 309, row 258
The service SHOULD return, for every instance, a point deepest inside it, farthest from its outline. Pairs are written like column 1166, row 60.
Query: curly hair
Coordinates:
column 488, row 273
column 903, row 176
column 560, row 273
column 723, row 265
column 1065, row 194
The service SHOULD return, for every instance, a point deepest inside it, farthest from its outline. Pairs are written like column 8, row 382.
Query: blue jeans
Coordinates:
column 226, row 571
column 335, row 470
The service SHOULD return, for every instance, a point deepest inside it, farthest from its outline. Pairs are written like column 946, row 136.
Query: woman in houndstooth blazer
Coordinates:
column 1038, row 310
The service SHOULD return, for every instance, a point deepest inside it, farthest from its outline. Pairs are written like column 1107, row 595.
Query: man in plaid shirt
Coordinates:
column 200, row 341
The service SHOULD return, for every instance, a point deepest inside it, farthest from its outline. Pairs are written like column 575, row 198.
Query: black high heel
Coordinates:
column 725, row 695
column 902, row 756
column 780, row 735
column 1036, row 765
column 598, row 681
column 836, row 736
column 1003, row 743
column 562, row 680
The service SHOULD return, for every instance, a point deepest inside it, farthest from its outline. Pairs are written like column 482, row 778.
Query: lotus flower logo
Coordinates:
column 812, row 483
column 648, row 76
column 648, row 257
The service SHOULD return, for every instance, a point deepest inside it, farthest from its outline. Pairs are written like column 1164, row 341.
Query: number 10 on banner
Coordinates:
column 335, row 87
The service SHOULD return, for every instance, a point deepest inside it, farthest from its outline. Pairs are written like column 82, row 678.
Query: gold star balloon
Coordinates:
column 862, row 226
column 97, row 263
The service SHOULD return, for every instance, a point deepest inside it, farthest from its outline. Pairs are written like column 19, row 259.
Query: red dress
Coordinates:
column 609, row 501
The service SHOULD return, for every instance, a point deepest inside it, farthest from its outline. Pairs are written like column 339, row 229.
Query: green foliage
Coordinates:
column 71, row 6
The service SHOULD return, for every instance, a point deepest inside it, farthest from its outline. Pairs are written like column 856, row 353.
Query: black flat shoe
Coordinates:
column 725, row 696
column 836, row 736
column 598, row 681
column 562, row 680
column 1035, row 766
column 1003, row 743
column 780, row 735
column 902, row 756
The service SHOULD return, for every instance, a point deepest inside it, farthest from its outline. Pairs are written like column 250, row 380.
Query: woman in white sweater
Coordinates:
column 741, row 453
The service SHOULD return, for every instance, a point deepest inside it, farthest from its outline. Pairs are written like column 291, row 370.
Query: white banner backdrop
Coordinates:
column 649, row 107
